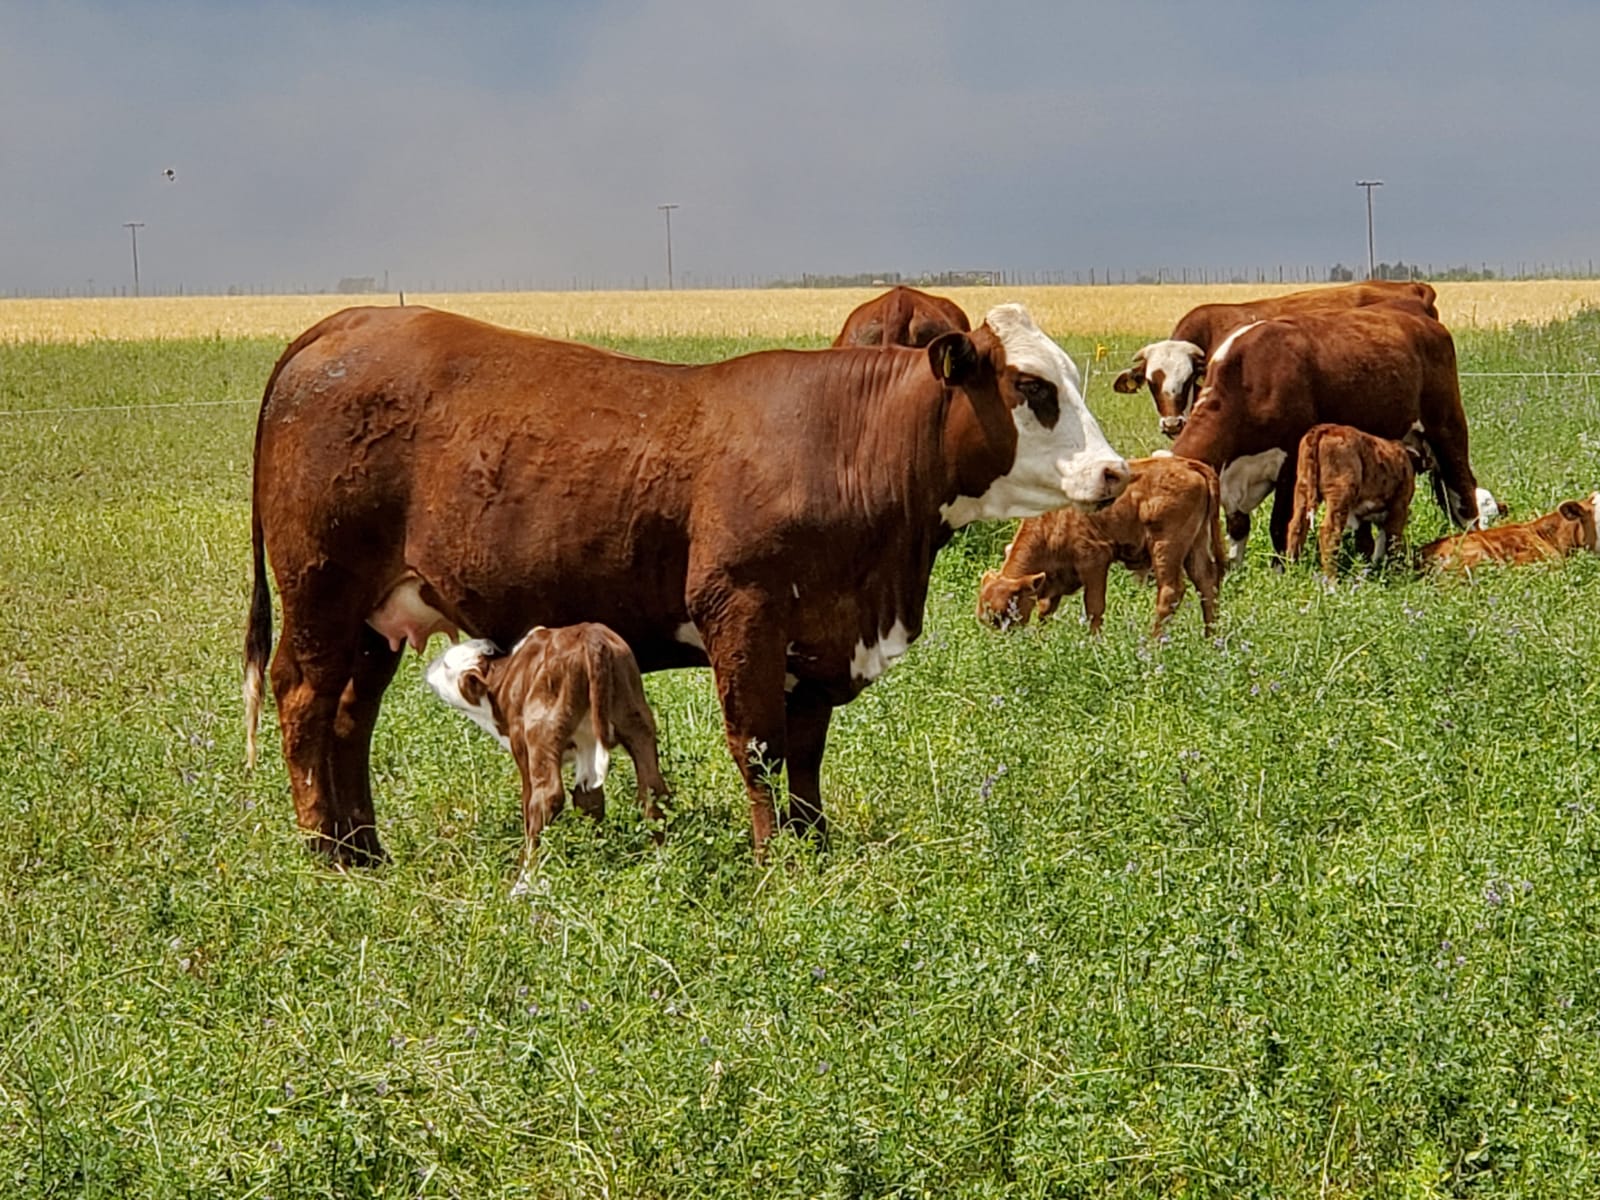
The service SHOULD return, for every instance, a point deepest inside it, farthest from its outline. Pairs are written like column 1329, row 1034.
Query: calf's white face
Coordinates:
column 456, row 677
column 1065, row 462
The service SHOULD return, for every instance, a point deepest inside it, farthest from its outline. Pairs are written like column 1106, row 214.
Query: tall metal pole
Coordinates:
column 1369, row 184
column 133, row 228
column 667, row 209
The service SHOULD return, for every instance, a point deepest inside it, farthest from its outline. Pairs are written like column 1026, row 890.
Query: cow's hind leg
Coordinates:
column 1206, row 574
column 327, row 688
column 745, row 646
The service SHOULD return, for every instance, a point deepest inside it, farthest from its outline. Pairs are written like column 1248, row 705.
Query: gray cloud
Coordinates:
column 531, row 144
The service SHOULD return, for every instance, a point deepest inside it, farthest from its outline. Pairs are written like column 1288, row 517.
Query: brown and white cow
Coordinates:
column 1164, row 524
column 1174, row 368
column 902, row 316
column 1567, row 530
column 775, row 516
column 1385, row 369
column 1364, row 480
column 561, row 695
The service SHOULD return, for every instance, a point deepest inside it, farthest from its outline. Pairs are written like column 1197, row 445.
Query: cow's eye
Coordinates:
column 1040, row 396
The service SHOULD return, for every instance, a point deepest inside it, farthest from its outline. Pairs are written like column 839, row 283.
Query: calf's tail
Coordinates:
column 1219, row 552
column 598, row 661
column 1307, row 487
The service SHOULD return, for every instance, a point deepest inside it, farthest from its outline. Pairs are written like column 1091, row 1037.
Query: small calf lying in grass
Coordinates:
column 561, row 695
column 1364, row 480
column 1164, row 524
column 1569, row 529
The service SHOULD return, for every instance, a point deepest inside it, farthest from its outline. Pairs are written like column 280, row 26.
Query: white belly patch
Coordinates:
column 1246, row 481
column 869, row 662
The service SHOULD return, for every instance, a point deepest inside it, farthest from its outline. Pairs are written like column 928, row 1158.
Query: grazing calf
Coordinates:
column 1365, row 480
column 1555, row 535
column 561, row 695
column 1165, row 524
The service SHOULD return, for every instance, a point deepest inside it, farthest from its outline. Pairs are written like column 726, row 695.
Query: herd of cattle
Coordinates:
column 776, row 516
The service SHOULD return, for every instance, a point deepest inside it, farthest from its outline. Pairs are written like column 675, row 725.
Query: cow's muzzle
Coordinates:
column 1172, row 426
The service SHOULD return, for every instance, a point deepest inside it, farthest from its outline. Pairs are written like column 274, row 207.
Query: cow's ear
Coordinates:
column 954, row 358
column 1032, row 583
column 1572, row 510
column 1129, row 381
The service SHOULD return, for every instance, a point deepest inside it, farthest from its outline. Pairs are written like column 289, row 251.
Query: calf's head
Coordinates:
column 461, row 678
column 1027, row 445
column 1175, row 371
column 1007, row 600
column 1577, row 531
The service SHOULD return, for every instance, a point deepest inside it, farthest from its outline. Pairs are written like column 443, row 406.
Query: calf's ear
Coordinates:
column 1032, row 583
column 1572, row 510
column 954, row 358
column 473, row 685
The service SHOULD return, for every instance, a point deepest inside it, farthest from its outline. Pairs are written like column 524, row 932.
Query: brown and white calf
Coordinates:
column 1567, row 530
column 561, row 695
column 1363, row 479
column 1164, row 524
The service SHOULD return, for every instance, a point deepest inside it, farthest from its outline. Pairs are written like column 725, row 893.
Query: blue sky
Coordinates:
column 466, row 145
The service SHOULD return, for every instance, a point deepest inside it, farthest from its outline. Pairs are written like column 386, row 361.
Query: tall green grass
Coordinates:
column 1309, row 909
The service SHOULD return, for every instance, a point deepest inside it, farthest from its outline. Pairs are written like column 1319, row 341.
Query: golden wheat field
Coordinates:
column 770, row 313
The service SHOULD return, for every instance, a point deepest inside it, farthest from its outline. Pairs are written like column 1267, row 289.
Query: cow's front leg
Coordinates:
column 1283, row 507
column 809, row 711
column 745, row 644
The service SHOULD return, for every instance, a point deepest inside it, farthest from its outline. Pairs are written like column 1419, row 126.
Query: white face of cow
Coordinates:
column 1066, row 462
column 1172, row 369
column 447, row 674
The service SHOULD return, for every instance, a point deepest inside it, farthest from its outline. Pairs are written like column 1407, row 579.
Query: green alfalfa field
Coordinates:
column 1308, row 909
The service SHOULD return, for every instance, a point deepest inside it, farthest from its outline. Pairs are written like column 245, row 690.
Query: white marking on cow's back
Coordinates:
column 869, row 662
column 1216, row 360
column 689, row 636
column 1055, row 466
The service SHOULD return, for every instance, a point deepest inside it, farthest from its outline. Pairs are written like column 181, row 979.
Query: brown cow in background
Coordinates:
column 902, row 316
column 1386, row 369
column 1164, row 524
column 1175, row 368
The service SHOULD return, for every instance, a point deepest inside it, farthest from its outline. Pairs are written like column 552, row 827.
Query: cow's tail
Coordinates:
column 1307, row 487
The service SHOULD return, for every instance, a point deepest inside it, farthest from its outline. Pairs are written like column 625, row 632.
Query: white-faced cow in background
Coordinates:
column 775, row 516
column 1386, row 370
column 1174, row 369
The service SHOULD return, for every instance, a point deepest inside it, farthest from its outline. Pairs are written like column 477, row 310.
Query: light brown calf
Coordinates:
column 1164, row 524
column 1567, row 530
column 567, row 694
column 1364, row 480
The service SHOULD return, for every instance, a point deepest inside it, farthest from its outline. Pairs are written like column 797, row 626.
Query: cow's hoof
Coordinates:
column 360, row 848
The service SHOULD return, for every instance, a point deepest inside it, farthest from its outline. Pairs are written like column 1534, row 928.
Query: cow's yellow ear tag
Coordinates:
column 949, row 361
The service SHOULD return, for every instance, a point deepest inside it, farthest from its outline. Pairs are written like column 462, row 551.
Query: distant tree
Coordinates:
column 1339, row 273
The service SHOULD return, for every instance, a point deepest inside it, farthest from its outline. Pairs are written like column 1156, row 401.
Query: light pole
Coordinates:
column 667, row 210
column 133, row 228
column 1369, row 184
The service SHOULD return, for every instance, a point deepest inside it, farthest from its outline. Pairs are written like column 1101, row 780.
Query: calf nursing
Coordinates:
column 1364, row 480
column 561, row 695
column 1164, row 524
